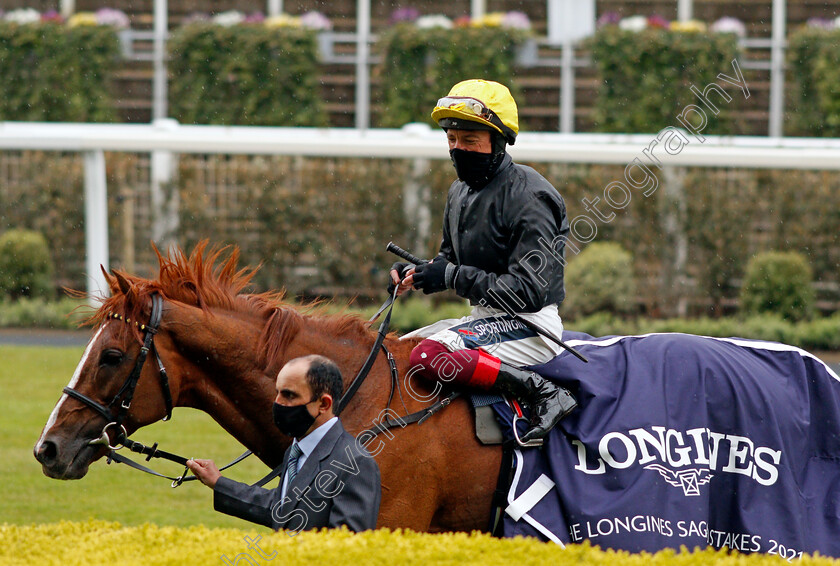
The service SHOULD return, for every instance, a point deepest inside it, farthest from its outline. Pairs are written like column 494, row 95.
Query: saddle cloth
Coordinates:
column 685, row 440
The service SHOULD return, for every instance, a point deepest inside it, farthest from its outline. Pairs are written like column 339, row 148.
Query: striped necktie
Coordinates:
column 291, row 465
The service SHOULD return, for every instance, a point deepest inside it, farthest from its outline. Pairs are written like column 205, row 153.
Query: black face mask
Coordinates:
column 475, row 169
column 292, row 421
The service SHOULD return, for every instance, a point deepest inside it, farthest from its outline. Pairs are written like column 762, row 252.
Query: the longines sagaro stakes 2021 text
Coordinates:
column 742, row 542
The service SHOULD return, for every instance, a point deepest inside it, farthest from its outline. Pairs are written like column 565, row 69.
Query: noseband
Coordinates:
column 122, row 400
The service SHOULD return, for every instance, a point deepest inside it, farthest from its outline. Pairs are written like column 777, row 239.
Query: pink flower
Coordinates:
column 608, row 19
column 254, row 18
column 404, row 15
column 52, row 16
column 656, row 21
column 516, row 20
column 462, row 22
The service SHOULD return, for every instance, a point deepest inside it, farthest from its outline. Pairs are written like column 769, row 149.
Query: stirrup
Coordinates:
column 533, row 443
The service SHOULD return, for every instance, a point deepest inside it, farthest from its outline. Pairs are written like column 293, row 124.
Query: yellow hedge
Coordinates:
column 99, row 542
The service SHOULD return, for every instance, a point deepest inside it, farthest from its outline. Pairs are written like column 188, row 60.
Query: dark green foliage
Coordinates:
column 814, row 63
column 600, row 279
column 779, row 283
column 646, row 77
column 820, row 334
column 26, row 269
column 66, row 313
column 421, row 65
column 55, row 73
column 246, row 75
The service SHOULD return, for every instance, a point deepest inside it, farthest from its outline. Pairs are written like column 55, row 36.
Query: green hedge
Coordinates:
column 600, row 278
column 645, row 77
column 26, row 268
column 421, row 65
column 814, row 63
column 56, row 73
column 66, row 313
column 247, row 75
column 778, row 283
column 820, row 334
column 99, row 542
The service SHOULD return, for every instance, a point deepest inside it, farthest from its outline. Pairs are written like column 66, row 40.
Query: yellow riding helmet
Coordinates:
column 483, row 102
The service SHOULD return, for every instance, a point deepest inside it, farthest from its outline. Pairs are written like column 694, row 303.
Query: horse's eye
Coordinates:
column 111, row 358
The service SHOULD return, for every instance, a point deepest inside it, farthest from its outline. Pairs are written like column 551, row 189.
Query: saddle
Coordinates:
column 487, row 427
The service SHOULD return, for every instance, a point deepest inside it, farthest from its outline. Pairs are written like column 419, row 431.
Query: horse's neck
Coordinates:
column 223, row 379
column 231, row 386
column 349, row 352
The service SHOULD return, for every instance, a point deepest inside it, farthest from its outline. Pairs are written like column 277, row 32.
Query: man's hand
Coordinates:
column 402, row 275
column 437, row 275
column 206, row 471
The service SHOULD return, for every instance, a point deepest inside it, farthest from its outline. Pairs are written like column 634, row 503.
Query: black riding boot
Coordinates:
column 548, row 402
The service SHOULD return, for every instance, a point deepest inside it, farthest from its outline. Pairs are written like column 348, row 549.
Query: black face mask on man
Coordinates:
column 477, row 169
column 293, row 420
column 472, row 167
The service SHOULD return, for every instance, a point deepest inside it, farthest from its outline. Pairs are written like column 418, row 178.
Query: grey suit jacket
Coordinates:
column 337, row 485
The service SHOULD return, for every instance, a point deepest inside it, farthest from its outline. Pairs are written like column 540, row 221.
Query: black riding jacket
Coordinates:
column 508, row 239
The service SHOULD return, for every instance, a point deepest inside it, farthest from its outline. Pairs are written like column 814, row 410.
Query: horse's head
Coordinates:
column 112, row 390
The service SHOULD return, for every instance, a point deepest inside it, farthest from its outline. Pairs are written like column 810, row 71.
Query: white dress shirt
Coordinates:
column 307, row 444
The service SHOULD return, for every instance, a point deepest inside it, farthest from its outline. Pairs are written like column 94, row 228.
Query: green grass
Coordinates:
column 31, row 379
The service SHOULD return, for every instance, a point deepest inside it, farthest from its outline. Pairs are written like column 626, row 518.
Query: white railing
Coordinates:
column 414, row 141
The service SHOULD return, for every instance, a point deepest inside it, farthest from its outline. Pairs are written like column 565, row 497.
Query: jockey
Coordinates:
column 504, row 232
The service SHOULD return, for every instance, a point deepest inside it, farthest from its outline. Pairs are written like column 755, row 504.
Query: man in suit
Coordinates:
column 328, row 479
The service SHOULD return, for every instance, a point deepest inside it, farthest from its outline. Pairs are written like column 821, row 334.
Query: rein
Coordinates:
column 417, row 417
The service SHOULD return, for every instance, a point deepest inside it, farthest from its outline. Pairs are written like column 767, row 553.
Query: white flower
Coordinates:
column 837, row 22
column 23, row 16
column 315, row 20
column 435, row 21
column 111, row 17
column 730, row 25
column 633, row 23
column 229, row 18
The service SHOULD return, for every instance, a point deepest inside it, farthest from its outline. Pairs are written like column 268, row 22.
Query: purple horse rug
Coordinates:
column 685, row 440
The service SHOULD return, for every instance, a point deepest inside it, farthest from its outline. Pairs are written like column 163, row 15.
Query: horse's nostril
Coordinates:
column 47, row 452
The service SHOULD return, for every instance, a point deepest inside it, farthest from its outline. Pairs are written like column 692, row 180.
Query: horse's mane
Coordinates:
column 209, row 278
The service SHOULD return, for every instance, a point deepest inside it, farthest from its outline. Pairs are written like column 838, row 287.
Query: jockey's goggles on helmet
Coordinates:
column 476, row 111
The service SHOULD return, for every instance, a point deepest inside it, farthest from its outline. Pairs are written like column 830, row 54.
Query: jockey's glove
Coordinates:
column 401, row 267
column 438, row 275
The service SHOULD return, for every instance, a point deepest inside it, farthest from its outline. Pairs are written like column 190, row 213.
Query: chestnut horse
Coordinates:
column 222, row 350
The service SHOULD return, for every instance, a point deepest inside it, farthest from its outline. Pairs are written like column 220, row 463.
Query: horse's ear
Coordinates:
column 122, row 283
column 111, row 281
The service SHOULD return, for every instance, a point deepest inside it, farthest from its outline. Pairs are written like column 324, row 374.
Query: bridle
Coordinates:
column 122, row 400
